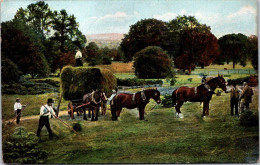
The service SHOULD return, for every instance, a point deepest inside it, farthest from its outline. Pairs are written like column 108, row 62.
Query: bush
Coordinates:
column 10, row 71
column 167, row 101
column 248, row 119
column 152, row 62
column 77, row 81
column 137, row 82
column 22, row 148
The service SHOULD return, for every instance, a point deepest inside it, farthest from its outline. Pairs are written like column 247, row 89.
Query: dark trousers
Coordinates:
column 44, row 121
column 18, row 115
column 234, row 103
column 79, row 62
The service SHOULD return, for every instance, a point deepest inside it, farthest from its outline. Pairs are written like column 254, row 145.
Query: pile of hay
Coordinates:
column 77, row 81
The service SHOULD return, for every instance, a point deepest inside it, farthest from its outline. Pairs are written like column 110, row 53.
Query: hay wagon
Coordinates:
column 77, row 81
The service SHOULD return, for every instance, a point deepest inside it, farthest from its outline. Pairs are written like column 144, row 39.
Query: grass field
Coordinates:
column 163, row 138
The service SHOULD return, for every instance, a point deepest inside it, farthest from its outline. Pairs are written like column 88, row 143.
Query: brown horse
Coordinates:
column 197, row 94
column 138, row 100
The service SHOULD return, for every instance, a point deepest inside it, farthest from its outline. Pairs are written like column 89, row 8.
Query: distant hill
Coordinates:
column 111, row 40
column 106, row 36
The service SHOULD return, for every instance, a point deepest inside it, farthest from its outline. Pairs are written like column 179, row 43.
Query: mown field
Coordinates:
column 218, row 138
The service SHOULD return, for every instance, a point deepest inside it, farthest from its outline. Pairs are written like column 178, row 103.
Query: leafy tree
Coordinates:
column 93, row 54
column 152, row 62
column 9, row 71
column 37, row 15
column 66, row 59
column 106, row 54
column 253, row 47
column 234, row 47
column 147, row 32
column 23, row 46
column 66, row 31
column 191, row 42
column 176, row 28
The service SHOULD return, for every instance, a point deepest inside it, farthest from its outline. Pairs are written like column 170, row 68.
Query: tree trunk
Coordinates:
column 202, row 66
column 233, row 64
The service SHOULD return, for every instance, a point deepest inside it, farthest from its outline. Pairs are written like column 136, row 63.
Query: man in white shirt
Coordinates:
column 78, row 57
column 17, row 110
column 46, row 112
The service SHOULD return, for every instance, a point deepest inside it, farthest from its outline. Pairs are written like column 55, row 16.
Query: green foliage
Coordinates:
column 167, row 101
column 253, row 48
column 77, row 81
column 23, row 46
column 9, row 70
column 93, row 54
column 147, row 32
column 152, row 62
column 137, row 82
column 235, row 48
column 22, row 148
column 248, row 119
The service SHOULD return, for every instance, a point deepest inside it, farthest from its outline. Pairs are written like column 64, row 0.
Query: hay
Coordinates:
column 77, row 81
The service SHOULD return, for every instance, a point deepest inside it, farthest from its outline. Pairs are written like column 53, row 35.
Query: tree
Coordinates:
column 147, row 32
column 37, row 15
column 234, row 47
column 9, row 71
column 253, row 47
column 66, row 31
column 66, row 59
column 93, row 54
column 176, row 28
column 192, row 42
column 152, row 62
column 23, row 46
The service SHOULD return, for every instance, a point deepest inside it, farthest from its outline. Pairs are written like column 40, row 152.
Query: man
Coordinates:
column 46, row 112
column 18, row 109
column 234, row 98
column 78, row 57
column 110, row 99
column 246, row 95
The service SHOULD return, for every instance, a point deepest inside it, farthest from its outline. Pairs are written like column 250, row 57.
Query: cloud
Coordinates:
column 165, row 16
column 245, row 10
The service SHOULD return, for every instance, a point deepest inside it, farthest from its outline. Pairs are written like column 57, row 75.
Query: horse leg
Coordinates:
column 141, row 113
column 84, row 115
column 113, row 113
column 178, row 108
column 92, row 114
column 118, row 112
column 97, row 113
column 205, row 109
column 89, row 113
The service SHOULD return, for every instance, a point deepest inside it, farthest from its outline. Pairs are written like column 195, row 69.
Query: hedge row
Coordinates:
column 137, row 82
column 77, row 81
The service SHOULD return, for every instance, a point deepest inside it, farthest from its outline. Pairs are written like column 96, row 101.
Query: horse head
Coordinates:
column 222, row 83
column 155, row 94
column 103, row 97
column 97, row 96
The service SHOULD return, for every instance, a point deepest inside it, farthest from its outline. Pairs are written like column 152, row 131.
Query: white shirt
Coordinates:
column 45, row 112
column 78, row 55
column 17, row 106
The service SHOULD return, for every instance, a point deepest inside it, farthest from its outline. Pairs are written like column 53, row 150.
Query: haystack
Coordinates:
column 77, row 81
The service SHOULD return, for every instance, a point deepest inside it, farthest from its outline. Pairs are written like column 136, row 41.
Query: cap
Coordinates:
column 50, row 100
column 17, row 99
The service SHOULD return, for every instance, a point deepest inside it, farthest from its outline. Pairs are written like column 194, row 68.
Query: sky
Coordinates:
column 116, row 16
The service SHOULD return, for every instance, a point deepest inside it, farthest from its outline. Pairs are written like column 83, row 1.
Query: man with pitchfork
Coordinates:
column 46, row 112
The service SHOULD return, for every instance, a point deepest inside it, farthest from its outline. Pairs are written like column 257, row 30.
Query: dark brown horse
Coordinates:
column 90, row 101
column 130, row 101
column 95, row 100
column 197, row 94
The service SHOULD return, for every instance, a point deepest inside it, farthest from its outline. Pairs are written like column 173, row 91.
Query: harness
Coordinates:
column 93, row 100
column 142, row 96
